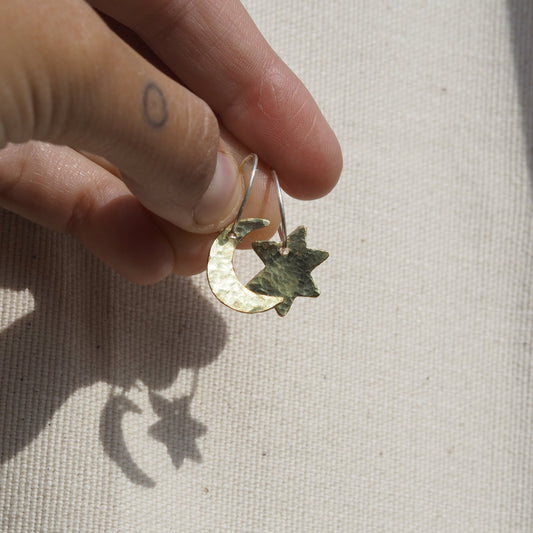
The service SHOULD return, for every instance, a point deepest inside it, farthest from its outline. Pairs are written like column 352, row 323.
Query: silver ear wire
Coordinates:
column 250, row 183
column 283, row 226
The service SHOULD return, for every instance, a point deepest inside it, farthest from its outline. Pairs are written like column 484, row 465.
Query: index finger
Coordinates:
column 216, row 50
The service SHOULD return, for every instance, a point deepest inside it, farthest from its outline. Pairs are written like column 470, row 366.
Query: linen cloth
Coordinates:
column 399, row 400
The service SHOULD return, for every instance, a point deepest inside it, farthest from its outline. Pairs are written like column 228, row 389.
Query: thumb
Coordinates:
column 73, row 81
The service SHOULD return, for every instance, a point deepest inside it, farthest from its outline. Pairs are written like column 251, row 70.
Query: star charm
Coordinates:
column 287, row 271
column 176, row 429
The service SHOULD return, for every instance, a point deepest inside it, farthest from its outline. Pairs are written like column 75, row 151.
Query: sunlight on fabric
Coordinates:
column 14, row 305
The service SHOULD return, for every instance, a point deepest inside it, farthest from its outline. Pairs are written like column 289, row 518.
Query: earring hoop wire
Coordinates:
column 282, row 230
column 250, row 183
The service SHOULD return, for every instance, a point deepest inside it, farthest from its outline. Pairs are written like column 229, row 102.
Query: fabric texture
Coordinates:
column 399, row 400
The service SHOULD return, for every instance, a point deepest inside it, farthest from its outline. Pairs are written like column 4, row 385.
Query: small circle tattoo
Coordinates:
column 154, row 106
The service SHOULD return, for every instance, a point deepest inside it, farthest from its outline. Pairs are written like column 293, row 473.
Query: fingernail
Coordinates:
column 220, row 200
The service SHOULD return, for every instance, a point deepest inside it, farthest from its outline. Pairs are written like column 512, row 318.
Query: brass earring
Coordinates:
column 288, row 264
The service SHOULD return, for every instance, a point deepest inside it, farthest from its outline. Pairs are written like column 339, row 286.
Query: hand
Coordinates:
column 104, row 143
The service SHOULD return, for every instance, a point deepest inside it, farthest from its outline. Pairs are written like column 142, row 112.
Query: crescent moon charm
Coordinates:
column 222, row 276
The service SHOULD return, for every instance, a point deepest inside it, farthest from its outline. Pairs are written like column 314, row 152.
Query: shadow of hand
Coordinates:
column 88, row 326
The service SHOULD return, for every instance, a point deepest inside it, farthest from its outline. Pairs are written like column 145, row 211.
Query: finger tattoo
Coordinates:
column 154, row 106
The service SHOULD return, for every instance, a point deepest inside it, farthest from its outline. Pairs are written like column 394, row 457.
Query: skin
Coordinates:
column 113, row 115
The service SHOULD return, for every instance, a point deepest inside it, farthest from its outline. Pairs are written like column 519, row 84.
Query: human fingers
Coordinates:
column 73, row 81
column 61, row 189
column 82, row 194
column 218, row 52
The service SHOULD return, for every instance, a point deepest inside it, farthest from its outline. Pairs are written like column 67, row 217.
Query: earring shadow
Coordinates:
column 89, row 326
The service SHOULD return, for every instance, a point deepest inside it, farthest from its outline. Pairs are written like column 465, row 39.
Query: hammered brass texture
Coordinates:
column 222, row 276
column 287, row 271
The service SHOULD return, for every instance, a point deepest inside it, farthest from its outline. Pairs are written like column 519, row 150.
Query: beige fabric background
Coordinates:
column 401, row 400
